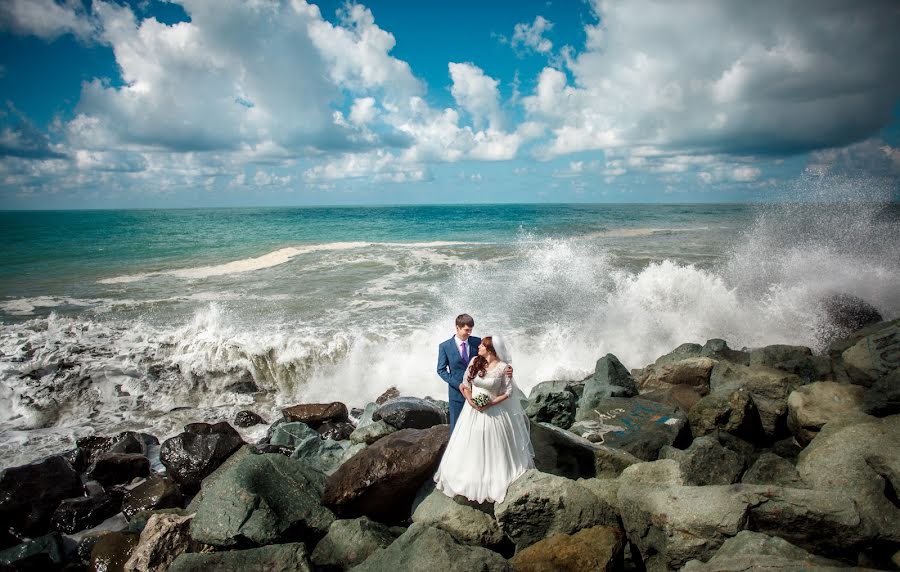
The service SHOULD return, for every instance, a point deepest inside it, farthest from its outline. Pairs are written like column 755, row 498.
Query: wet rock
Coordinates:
column 410, row 413
column 337, row 430
column 552, row 402
column 395, row 467
column 248, row 419
column 372, row 432
column 638, row 426
column 770, row 469
column 117, row 468
column 29, row 494
column 190, row 456
column 718, row 350
column 267, row 448
column 276, row 558
column 874, row 356
column 693, row 372
column 314, row 414
column 365, row 418
column 566, row 454
column 112, row 551
column 731, row 411
column 164, row 538
column 323, row 455
column 538, row 505
column 755, row 551
column 883, row 398
column 706, row 462
column 465, row 523
column 775, row 354
column 350, row 542
column 94, row 446
column 294, row 434
column 79, row 513
column 258, row 500
column 423, row 548
column 598, row 548
column 86, row 544
column 155, row 493
column 837, row 347
column 812, row 406
column 611, row 379
column 39, row 555
column 389, row 393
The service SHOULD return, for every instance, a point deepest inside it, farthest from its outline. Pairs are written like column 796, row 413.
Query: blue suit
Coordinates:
column 451, row 368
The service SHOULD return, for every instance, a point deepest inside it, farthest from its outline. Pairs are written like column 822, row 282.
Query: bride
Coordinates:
column 490, row 446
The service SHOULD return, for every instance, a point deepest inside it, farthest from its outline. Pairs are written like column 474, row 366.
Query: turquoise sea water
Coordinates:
column 147, row 319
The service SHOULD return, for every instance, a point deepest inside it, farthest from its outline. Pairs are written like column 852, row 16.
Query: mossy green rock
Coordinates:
column 275, row 558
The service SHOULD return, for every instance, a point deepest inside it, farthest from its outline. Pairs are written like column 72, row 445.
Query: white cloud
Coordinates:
column 477, row 93
column 46, row 19
column 363, row 110
column 531, row 36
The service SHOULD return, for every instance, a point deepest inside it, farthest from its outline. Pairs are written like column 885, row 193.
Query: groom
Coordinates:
column 453, row 359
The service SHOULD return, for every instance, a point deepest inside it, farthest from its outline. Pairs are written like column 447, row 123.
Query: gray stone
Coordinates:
column 718, row 350
column 294, row 434
column 874, row 356
column 324, row 455
column 611, row 379
column 755, row 551
column 424, row 548
column 840, row 345
column 706, row 462
column 163, row 539
column 276, row 558
column 552, row 402
column 883, row 398
column 350, row 542
column 261, row 499
column 775, row 354
column 812, row 406
column 410, row 413
column 371, row 432
column 694, row 372
column 566, row 454
column 770, row 469
column 684, row 351
column 365, row 417
column 42, row 553
column 538, row 505
column 638, row 426
column 465, row 523
column 731, row 411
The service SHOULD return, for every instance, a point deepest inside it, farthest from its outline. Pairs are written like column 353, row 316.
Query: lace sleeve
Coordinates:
column 465, row 382
column 506, row 383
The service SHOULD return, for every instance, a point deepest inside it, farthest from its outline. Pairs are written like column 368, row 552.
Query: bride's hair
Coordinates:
column 479, row 364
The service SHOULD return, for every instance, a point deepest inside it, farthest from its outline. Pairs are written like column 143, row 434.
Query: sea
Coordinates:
column 145, row 320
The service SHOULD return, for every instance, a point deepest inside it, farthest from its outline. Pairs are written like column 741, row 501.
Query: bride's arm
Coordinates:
column 507, row 388
column 466, row 386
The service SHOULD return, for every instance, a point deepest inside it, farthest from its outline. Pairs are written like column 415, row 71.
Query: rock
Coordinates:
column 126, row 442
column 755, row 551
column 155, row 493
column 248, row 419
column 381, row 481
column 718, row 350
column 598, row 548
column 291, row 557
column 566, row 454
column 365, row 417
column 465, row 523
column 684, row 351
column 611, row 379
column 693, row 372
column 874, row 356
column 350, row 542
column 539, row 505
column 787, row 448
column 293, row 434
column 337, row 430
column 194, row 454
column 770, row 469
column 812, row 406
column 79, row 513
column 638, row 426
column 118, row 468
column 409, row 413
column 29, row 494
column 423, row 548
column 112, row 551
column 314, row 414
column 552, row 402
column 883, row 398
column 839, row 346
column 163, row 539
column 323, row 455
column 267, row 448
column 372, row 432
column 775, row 354
column 389, row 393
column 844, row 314
column 261, row 499
column 706, row 462
column 682, row 396
column 731, row 411
column 39, row 554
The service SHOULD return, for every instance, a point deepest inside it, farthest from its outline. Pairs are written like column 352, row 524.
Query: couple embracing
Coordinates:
column 490, row 444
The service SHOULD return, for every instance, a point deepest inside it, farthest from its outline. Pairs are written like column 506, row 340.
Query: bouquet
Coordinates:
column 481, row 399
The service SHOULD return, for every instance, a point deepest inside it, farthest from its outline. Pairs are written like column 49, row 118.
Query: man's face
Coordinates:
column 463, row 332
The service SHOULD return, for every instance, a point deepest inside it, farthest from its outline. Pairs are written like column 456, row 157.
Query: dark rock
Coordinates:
column 118, row 468
column 79, row 513
column 389, row 393
column 706, row 462
column 41, row 554
column 440, row 404
column 245, row 384
column 258, row 500
column 718, row 350
column 562, row 453
column 787, row 448
column 682, row 352
column 775, row 354
column 94, row 446
column 409, row 413
column 682, row 396
column 337, row 430
column 394, row 469
column 874, row 356
column 611, row 379
column 552, row 402
column 267, row 448
column 155, row 493
column 293, row 434
column 355, row 412
column 599, row 549
column 276, row 558
column 349, row 542
column 314, row 414
column 838, row 347
column 76, row 457
column 638, row 426
column 844, row 314
column 770, row 469
column 112, row 551
column 248, row 419
column 755, row 551
column 29, row 494
column 731, row 411
column 883, row 398
column 194, row 454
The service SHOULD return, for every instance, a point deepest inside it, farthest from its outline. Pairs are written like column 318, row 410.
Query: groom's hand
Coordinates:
column 509, row 371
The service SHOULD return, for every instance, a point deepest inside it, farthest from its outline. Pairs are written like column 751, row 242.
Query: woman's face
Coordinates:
column 482, row 350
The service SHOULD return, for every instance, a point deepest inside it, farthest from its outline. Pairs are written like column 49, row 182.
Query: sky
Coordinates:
column 202, row 103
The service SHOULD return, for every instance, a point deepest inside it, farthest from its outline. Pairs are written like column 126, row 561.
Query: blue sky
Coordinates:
column 224, row 103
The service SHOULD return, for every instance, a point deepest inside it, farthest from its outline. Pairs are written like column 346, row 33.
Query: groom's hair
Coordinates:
column 465, row 320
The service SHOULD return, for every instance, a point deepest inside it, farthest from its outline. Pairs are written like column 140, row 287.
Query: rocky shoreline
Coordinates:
column 710, row 458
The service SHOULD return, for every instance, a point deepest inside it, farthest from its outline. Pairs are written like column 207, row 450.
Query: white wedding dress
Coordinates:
column 488, row 449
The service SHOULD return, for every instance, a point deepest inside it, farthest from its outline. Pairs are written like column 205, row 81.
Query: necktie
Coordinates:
column 464, row 351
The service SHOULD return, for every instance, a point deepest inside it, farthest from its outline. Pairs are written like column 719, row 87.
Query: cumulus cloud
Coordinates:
column 20, row 138
column 872, row 157
column 531, row 36
column 477, row 93
column 47, row 19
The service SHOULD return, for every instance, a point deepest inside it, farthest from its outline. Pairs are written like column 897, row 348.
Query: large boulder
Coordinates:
column 552, row 402
column 93, row 446
column 770, row 469
column 155, row 493
column 756, row 551
column 706, row 462
column 371, row 432
column 538, row 505
column 465, row 523
column 840, row 345
column 164, row 538
column 79, row 513
column 771, row 356
column 599, row 549
column 693, row 372
column 731, row 411
column 410, row 413
column 192, row 455
column 314, row 414
column 812, row 406
column 112, row 551
column 118, row 468
column 883, row 398
column 261, row 499
column 350, row 542
column 38, row 555
column 569, row 455
column 382, row 480
column 291, row 557
column 293, row 434
column 685, row 397
column 638, row 426
column 424, row 548
column 718, row 350
column 874, row 356
column 248, row 419
column 611, row 379
column 325, row 455
column 30, row 494
column 337, row 430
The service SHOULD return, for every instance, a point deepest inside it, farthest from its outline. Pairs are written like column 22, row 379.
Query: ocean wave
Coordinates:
column 638, row 232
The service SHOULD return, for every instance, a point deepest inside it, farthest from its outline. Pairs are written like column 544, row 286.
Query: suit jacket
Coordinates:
column 451, row 367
